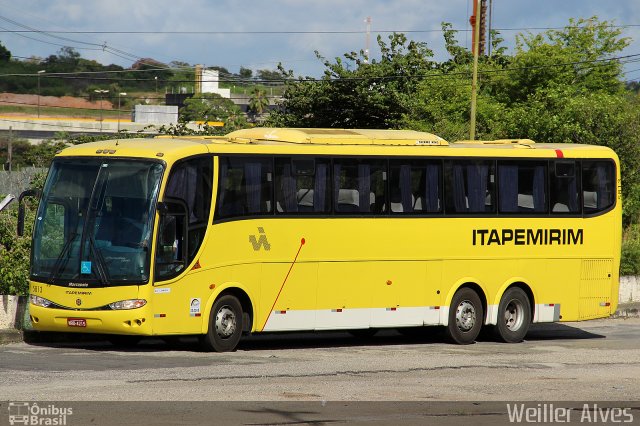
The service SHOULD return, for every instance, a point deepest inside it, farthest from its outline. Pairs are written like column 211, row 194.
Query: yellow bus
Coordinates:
column 268, row 230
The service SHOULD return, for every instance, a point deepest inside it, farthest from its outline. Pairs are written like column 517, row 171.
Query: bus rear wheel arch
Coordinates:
column 225, row 325
column 466, row 316
column 514, row 315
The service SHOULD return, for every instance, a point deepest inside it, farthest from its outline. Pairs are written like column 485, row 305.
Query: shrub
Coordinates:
column 630, row 262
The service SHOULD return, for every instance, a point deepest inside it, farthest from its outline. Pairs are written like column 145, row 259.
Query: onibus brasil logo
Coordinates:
column 31, row 413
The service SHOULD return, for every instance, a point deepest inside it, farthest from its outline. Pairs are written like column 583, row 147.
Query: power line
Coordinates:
column 78, row 75
column 290, row 32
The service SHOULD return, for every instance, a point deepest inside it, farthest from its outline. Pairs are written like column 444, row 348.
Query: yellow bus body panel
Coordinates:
column 354, row 272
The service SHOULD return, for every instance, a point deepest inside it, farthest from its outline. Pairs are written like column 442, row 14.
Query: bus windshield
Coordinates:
column 94, row 222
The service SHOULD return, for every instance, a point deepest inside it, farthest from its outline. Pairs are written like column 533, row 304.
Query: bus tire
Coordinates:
column 465, row 317
column 225, row 326
column 514, row 316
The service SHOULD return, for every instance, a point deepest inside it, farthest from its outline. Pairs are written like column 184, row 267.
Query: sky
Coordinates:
column 258, row 34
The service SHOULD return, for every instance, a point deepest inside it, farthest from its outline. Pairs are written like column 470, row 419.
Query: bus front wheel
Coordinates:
column 465, row 317
column 514, row 316
column 225, row 325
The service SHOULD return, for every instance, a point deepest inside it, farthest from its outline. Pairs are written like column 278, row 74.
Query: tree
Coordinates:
column 213, row 107
column 258, row 103
column 245, row 73
column 355, row 92
column 269, row 75
column 5, row 54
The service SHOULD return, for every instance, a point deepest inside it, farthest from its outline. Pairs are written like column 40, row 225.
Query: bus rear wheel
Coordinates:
column 225, row 326
column 465, row 317
column 514, row 316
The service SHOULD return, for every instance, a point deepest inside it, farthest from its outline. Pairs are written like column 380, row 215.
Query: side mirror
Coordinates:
column 6, row 201
column 28, row 193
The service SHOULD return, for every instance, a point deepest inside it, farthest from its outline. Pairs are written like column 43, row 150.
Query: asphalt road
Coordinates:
column 587, row 361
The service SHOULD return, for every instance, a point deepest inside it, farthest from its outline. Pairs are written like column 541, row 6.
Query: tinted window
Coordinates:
column 563, row 185
column 302, row 185
column 359, row 186
column 522, row 187
column 598, row 185
column 191, row 182
column 470, row 186
column 244, row 187
column 414, row 186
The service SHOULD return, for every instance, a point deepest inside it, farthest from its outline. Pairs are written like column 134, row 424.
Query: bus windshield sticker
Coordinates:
column 85, row 267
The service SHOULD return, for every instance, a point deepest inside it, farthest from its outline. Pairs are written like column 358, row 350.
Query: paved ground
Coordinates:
column 329, row 377
column 595, row 360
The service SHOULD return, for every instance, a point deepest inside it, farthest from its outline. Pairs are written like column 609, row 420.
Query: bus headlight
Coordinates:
column 40, row 301
column 128, row 304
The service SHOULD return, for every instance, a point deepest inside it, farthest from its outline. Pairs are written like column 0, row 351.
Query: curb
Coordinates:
column 10, row 336
column 627, row 310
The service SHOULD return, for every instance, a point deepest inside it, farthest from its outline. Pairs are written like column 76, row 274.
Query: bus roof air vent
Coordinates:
column 335, row 137
column 514, row 142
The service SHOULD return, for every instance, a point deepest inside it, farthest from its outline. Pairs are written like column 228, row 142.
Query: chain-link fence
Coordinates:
column 15, row 182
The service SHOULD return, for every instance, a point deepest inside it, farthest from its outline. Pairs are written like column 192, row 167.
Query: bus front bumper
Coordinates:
column 129, row 321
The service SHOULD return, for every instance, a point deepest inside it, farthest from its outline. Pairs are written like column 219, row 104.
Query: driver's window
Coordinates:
column 170, row 260
column 190, row 186
column 54, row 225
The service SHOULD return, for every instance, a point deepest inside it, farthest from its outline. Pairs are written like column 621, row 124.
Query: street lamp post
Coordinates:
column 101, row 92
column 39, row 73
column 119, row 94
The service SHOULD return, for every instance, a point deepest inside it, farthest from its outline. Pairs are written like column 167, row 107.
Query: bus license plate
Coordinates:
column 76, row 322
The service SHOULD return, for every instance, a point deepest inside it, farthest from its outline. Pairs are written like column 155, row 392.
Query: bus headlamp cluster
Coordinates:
column 127, row 304
column 40, row 301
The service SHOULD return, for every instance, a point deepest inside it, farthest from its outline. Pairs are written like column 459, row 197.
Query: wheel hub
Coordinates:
column 465, row 316
column 513, row 315
column 225, row 322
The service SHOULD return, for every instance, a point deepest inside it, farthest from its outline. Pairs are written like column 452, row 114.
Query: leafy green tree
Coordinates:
column 355, row 92
column 245, row 73
column 258, row 103
column 5, row 54
column 270, row 75
column 15, row 252
column 208, row 107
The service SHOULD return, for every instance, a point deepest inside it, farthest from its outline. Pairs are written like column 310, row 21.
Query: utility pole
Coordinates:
column 489, row 31
column 101, row 92
column 474, row 81
column 367, row 40
column 483, row 28
column 119, row 94
column 10, row 148
column 39, row 74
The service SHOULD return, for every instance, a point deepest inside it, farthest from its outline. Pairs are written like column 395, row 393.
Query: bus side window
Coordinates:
column 522, row 187
column 191, row 183
column 564, row 193
column 470, row 186
column 414, row 186
column 598, row 190
column 244, row 187
column 302, row 185
column 359, row 186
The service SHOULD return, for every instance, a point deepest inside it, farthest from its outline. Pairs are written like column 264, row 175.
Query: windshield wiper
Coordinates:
column 100, row 263
column 61, row 261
